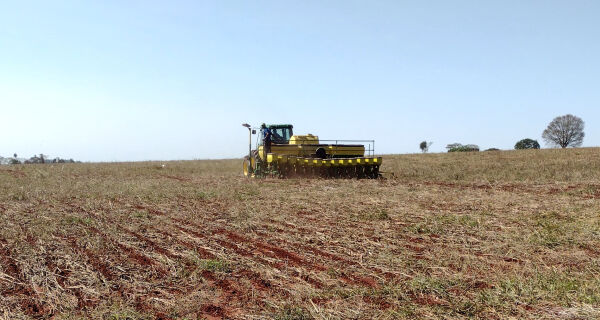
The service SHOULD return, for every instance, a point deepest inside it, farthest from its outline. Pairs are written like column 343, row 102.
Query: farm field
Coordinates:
column 489, row 235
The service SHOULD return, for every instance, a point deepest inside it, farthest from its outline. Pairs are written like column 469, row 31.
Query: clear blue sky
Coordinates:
column 139, row 80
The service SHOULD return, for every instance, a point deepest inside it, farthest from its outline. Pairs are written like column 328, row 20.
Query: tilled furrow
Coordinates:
column 328, row 257
column 239, row 250
column 29, row 301
column 133, row 254
column 282, row 254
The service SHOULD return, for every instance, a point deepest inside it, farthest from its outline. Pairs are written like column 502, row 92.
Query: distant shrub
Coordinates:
column 35, row 159
column 59, row 160
column 453, row 146
column 492, row 149
column 527, row 144
column 44, row 159
column 457, row 147
column 424, row 146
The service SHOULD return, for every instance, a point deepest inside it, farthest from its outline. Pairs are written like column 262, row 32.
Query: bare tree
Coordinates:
column 565, row 131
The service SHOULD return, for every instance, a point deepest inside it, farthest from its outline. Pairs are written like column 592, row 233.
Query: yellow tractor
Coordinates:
column 306, row 156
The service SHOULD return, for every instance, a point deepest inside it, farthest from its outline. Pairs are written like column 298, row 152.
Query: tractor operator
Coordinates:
column 266, row 135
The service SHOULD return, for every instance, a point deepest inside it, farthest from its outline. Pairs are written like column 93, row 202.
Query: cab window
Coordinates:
column 281, row 135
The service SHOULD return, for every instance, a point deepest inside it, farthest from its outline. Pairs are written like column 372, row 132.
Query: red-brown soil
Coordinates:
column 194, row 242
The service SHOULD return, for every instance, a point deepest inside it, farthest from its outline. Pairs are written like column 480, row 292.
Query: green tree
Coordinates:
column 527, row 144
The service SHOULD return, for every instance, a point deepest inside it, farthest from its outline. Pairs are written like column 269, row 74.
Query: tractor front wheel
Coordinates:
column 247, row 167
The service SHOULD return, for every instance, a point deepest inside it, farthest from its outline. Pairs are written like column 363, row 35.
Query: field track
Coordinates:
column 488, row 235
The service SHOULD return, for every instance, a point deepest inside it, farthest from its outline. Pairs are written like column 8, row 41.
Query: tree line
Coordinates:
column 41, row 158
column 563, row 131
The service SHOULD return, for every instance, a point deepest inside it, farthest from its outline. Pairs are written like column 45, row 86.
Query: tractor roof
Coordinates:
column 277, row 126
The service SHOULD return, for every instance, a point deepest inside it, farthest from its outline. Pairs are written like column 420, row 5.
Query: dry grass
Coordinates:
column 489, row 235
column 529, row 166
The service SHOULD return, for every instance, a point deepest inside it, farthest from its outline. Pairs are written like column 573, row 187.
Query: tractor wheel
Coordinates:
column 376, row 173
column 321, row 153
column 247, row 167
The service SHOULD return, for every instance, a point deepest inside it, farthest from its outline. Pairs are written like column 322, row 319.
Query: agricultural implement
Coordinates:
column 306, row 156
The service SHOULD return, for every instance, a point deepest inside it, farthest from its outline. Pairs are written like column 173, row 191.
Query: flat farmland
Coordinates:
column 489, row 235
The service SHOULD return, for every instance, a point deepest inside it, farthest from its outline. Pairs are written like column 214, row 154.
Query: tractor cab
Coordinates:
column 280, row 133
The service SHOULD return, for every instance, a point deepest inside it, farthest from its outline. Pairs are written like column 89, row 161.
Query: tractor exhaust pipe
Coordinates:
column 249, row 138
